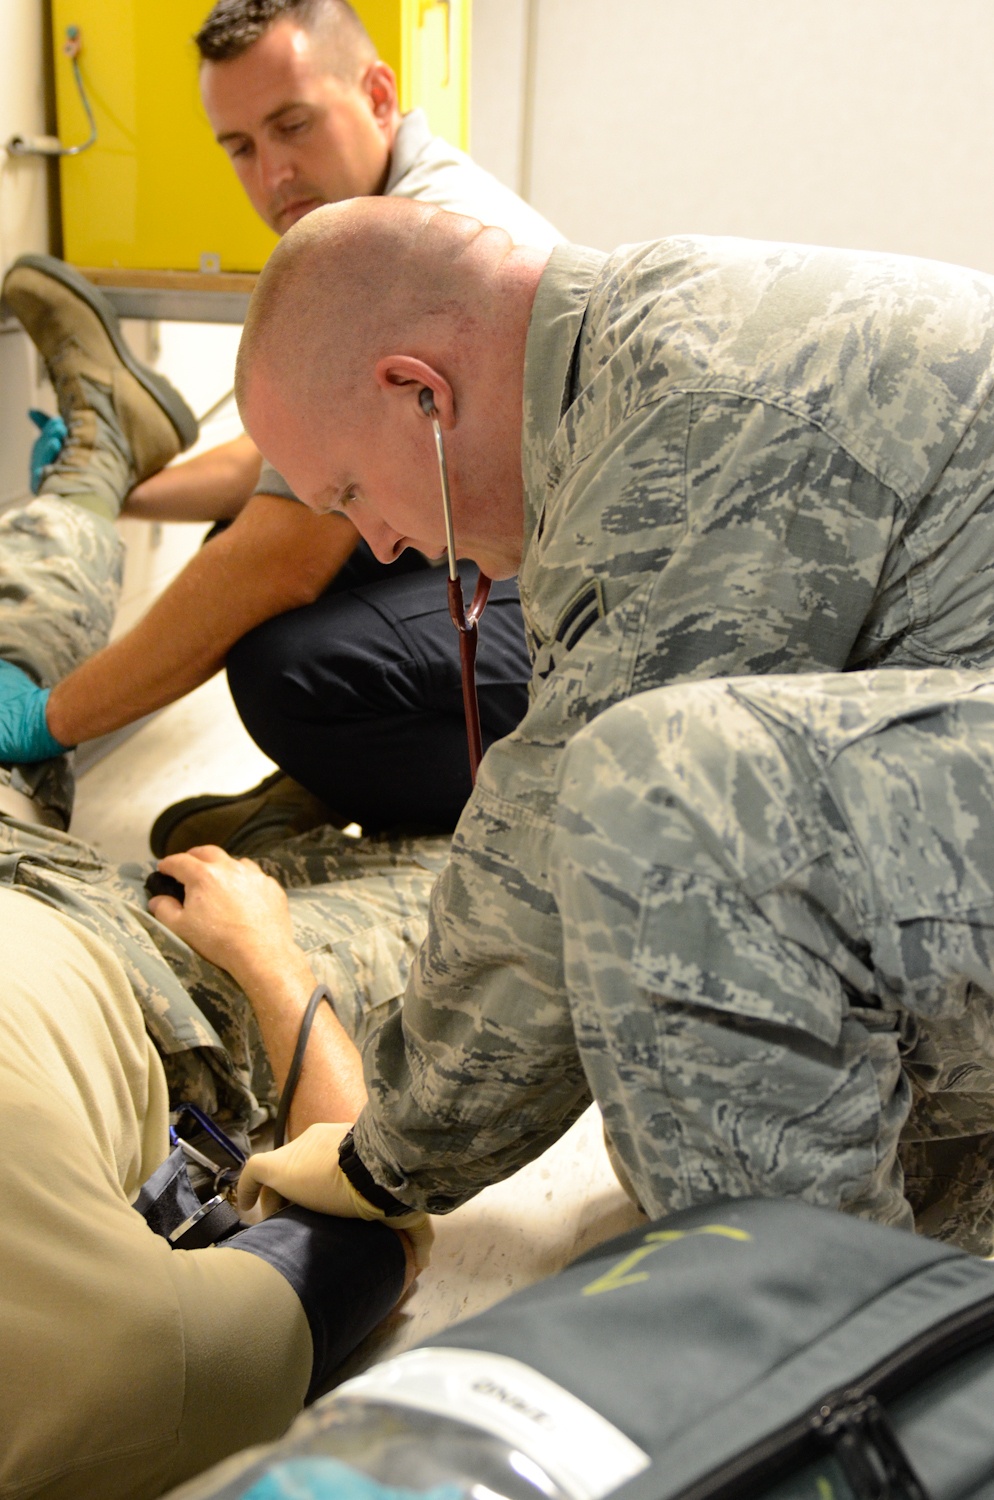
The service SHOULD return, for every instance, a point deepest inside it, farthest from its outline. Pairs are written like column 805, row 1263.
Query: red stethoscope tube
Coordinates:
column 465, row 620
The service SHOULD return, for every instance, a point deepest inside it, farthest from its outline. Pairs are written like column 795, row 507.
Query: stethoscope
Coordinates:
column 465, row 620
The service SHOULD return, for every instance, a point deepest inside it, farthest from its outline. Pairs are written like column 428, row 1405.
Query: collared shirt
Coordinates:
column 738, row 458
column 426, row 167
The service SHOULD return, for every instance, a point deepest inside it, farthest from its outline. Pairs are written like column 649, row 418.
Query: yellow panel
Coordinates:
column 156, row 192
column 438, row 65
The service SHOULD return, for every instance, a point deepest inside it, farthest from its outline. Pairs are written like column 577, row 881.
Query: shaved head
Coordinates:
column 352, row 282
column 362, row 307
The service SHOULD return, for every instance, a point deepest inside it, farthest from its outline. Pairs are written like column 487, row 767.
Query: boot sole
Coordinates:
column 171, row 817
column 165, row 395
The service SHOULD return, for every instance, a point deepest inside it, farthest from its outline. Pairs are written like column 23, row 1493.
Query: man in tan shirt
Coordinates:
column 127, row 1365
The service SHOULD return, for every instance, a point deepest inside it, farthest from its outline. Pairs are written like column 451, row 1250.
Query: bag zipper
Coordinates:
column 867, row 1450
column 852, row 1422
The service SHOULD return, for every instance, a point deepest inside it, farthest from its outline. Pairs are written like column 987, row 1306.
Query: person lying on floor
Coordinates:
column 126, row 1365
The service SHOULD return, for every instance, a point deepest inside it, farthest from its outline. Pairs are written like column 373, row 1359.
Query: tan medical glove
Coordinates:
column 306, row 1171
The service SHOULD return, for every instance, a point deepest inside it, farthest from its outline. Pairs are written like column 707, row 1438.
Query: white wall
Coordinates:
column 867, row 123
column 23, row 223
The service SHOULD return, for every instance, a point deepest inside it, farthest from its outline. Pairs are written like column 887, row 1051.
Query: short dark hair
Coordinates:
column 233, row 26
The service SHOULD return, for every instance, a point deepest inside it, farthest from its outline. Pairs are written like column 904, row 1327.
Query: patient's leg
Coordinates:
column 60, row 577
column 60, row 557
column 359, row 909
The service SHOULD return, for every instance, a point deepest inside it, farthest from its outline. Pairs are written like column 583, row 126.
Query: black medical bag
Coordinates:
column 754, row 1348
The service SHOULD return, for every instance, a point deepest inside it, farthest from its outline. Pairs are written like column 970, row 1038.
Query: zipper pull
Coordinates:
column 860, row 1434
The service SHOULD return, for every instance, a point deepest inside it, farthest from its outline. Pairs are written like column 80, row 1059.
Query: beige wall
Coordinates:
column 867, row 123
column 23, row 221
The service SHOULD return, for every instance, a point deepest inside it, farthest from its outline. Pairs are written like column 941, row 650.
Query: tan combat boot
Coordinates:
column 125, row 421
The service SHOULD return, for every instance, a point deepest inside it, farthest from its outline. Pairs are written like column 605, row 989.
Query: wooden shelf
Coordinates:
column 174, row 296
column 197, row 281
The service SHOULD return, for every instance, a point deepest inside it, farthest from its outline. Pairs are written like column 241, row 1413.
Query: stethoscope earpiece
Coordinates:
column 427, row 399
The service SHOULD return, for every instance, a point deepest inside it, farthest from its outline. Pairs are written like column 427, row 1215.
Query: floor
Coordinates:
column 510, row 1235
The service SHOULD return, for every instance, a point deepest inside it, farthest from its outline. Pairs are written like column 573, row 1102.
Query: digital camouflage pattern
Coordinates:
column 358, row 906
column 60, row 580
column 739, row 459
column 795, row 878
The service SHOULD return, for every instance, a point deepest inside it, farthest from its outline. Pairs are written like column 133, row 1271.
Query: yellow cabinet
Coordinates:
column 156, row 191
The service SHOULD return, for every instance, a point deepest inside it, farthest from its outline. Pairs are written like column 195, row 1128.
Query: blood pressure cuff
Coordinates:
column 168, row 1197
column 347, row 1274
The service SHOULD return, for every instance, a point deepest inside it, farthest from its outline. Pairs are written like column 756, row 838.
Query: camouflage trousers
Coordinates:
column 777, row 898
column 358, row 906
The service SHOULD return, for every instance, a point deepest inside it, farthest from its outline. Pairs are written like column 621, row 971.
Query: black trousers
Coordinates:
column 358, row 696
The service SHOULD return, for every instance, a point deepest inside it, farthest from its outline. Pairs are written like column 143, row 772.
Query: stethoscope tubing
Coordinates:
column 465, row 620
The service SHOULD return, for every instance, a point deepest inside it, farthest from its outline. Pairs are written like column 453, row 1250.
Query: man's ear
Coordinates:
column 404, row 375
column 379, row 84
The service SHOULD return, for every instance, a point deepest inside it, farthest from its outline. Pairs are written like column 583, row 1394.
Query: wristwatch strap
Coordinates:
column 363, row 1182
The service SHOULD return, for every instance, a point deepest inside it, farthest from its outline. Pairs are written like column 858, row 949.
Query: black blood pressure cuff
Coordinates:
column 348, row 1274
column 168, row 1197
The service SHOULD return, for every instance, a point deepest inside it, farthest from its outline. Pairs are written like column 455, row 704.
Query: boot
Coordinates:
column 244, row 823
column 125, row 421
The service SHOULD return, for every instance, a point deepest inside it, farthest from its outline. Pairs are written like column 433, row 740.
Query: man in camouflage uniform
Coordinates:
column 750, row 913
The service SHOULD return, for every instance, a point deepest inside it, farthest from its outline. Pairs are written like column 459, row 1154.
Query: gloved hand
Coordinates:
column 47, row 446
column 306, row 1171
column 24, row 734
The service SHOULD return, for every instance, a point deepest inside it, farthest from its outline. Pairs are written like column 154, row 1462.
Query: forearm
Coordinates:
column 277, row 556
column 330, row 1086
column 177, row 645
column 214, row 486
column 442, row 1120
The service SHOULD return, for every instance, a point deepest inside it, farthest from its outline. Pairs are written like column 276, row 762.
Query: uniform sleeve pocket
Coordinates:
column 703, row 943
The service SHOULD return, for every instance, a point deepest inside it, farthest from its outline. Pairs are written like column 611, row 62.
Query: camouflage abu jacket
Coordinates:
column 739, row 458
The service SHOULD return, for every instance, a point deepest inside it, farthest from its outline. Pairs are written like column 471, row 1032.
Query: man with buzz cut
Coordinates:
column 345, row 674
column 732, row 876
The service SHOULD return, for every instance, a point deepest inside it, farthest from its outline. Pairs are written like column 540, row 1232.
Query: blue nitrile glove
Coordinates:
column 24, row 734
column 47, row 446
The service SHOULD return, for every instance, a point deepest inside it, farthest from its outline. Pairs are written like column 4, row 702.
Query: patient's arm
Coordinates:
column 238, row 918
column 214, row 486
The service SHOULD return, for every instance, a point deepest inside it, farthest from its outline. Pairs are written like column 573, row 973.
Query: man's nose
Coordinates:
column 275, row 165
column 385, row 544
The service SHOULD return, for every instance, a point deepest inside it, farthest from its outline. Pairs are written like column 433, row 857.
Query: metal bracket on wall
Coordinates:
column 50, row 145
